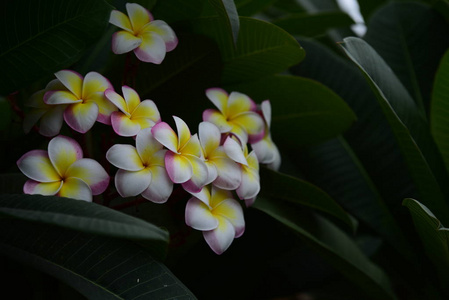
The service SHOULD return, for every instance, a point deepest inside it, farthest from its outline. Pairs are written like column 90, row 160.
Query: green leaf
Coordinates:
column 314, row 24
column 251, row 7
column 303, row 106
column 227, row 11
column 439, row 119
column 97, row 266
column 434, row 236
column 407, row 123
column 178, row 10
column 368, row 7
column 333, row 245
column 285, row 187
column 399, row 32
column 262, row 48
column 84, row 217
column 42, row 37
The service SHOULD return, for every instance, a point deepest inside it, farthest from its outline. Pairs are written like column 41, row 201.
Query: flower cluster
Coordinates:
column 218, row 165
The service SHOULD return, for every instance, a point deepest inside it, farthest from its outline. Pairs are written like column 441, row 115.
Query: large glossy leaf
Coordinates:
column 228, row 12
column 251, row 7
column 334, row 245
column 41, row 37
column 262, row 48
column 407, row 123
column 434, row 236
column 439, row 118
column 399, row 32
column 282, row 186
column 368, row 7
column 314, row 24
column 97, row 266
column 85, row 217
column 304, row 110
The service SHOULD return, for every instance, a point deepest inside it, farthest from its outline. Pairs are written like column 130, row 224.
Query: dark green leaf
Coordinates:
column 178, row 10
column 303, row 106
column 314, row 24
column 407, row 123
column 368, row 7
column 334, row 245
column 99, row 267
column 251, row 7
column 281, row 186
column 84, row 217
column 228, row 12
column 42, row 37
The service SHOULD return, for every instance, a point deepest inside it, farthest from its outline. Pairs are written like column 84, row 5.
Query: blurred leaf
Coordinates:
column 368, row 7
column 314, row 24
column 301, row 106
column 227, row 11
column 333, row 245
column 84, row 217
column 178, row 10
column 251, row 7
column 434, row 236
column 97, row 266
column 407, row 123
column 42, row 37
column 439, row 119
column 262, row 48
column 399, row 32
column 285, row 187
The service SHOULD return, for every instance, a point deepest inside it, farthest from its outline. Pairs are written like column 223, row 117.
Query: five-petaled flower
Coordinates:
column 236, row 114
column 85, row 98
column 218, row 216
column 63, row 171
column 133, row 115
column 149, row 39
column 141, row 168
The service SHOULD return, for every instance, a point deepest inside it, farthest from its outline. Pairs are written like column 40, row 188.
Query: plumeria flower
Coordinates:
column 250, row 184
column 141, row 168
column 220, row 218
column 85, row 99
column 63, row 171
column 183, row 160
column 223, row 172
column 50, row 116
column 133, row 115
column 236, row 114
column 149, row 39
column 266, row 151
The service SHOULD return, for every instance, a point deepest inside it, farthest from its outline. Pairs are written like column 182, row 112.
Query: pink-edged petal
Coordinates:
column 219, row 98
column 231, row 210
column 31, row 118
column 51, row 121
column 198, row 215
column 229, row 173
column 178, row 167
column 130, row 183
column 36, row 165
column 124, row 42
column 276, row 163
column 165, row 135
column 63, row 151
column 105, row 107
column 266, row 111
column 165, row 31
column 117, row 100
column 250, row 186
column 252, row 122
column 55, row 84
column 147, row 146
column 199, row 175
column 123, row 125
column 92, row 173
column 212, row 172
column 61, row 97
column 240, row 133
column 252, row 160
column 183, row 131
column 75, row 188
column 124, row 157
column 264, row 150
column 81, row 116
column 148, row 110
column 131, row 97
column 192, row 147
column 152, row 49
column 72, row 80
column 144, row 123
column 203, row 195
column 218, row 119
column 42, row 188
column 93, row 83
column 249, row 202
column 138, row 15
column 160, row 187
column 234, row 151
column 239, row 103
column 120, row 20
column 209, row 136
column 37, row 99
column 220, row 238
